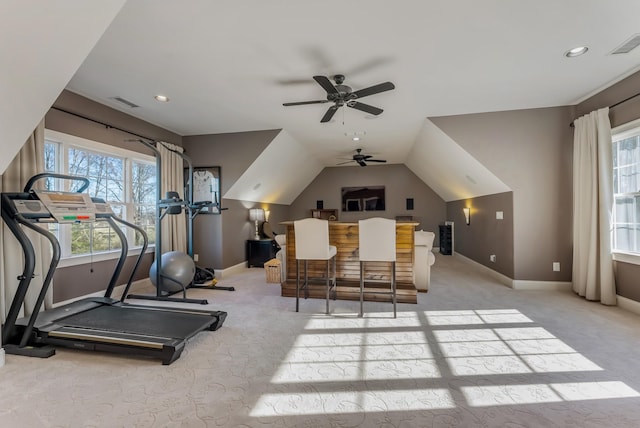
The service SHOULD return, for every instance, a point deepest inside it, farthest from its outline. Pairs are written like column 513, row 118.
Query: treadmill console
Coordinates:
column 68, row 207
column 31, row 208
column 103, row 209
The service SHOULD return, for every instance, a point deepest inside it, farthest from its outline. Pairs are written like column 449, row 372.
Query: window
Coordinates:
column 126, row 180
column 626, row 189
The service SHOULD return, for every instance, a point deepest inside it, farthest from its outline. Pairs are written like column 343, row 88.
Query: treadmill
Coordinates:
column 95, row 323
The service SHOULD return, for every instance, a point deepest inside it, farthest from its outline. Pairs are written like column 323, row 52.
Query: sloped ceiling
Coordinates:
column 448, row 169
column 281, row 172
column 42, row 45
column 229, row 66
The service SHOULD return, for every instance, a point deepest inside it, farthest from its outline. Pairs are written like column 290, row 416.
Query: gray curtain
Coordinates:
column 174, row 227
column 593, row 276
column 28, row 162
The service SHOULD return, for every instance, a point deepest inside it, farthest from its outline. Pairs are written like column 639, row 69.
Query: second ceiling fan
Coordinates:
column 342, row 95
column 361, row 159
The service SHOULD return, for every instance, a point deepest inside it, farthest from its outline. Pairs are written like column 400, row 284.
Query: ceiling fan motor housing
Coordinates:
column 342, row 95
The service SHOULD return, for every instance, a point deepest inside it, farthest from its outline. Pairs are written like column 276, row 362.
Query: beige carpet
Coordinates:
column 471, row 353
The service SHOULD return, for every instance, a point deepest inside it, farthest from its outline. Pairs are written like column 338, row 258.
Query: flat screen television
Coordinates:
column 369, row 198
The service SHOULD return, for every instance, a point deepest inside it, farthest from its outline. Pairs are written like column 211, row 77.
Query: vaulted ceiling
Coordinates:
column 229, row 66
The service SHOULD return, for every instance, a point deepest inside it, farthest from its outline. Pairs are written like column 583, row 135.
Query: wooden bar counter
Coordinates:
column 345, row 238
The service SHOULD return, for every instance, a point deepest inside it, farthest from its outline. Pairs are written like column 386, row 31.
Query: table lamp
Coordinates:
column 256, row 215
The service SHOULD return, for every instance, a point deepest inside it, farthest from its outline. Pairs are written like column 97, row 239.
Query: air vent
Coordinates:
column 627, row 46
column 125, row 102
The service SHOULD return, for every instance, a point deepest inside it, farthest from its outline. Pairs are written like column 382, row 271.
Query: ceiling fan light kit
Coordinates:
column 341, row 95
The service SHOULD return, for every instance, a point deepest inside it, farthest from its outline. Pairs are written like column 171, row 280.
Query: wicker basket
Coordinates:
column 273, row 270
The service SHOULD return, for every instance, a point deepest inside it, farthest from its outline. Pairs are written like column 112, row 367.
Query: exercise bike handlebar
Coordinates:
column 32, row 180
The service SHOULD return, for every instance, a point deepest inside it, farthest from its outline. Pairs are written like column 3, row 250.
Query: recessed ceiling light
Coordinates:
column 356, row 138
column 580, row 50
column 162, row 98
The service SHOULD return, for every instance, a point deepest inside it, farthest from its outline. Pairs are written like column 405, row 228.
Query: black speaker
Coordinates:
column 409, row 203
column 319, row 204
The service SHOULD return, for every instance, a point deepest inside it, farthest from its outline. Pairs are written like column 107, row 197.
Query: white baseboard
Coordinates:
column 503, row 279
column 220, row 273
column 628, row 304
column 518, row 284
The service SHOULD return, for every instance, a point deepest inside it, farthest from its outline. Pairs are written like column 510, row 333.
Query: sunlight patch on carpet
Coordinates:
column 475, row 317
column 501, row 395
column 370, row 320
column 311, row 403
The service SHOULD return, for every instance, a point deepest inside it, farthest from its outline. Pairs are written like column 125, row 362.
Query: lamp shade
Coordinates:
column 467, row 215
column 256, row 214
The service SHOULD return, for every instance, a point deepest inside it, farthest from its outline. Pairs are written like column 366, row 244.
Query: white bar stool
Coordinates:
column 377, row 243
column 312, row 243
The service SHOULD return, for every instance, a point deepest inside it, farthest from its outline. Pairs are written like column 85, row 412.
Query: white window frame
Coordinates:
column 620, row 133
column 65, row 141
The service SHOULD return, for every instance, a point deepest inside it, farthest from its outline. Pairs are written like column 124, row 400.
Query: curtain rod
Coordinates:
column 617, row 104
column 106, row 125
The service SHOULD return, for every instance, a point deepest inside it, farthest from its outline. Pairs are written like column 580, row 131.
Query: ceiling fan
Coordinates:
column 342, row 95
column 362, row 159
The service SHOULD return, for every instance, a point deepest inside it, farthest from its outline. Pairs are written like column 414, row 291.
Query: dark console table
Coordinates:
column 260, row 251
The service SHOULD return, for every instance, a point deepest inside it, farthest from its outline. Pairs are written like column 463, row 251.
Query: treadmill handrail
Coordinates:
column 55, row 258
column 27, row 271
column 124, row 249
column 143, row 250
column 32, row 180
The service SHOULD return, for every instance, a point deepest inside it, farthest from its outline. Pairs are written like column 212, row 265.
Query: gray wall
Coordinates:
column 627, row 284
column 220, row 240
column 485, row 235
column 530, row 151
column 74, row 281
column 59, row 121
column 399, row 181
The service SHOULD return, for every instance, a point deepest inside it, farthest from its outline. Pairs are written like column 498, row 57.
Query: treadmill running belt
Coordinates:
column 140, row 321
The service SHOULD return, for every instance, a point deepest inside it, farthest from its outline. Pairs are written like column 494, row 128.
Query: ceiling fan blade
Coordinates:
column 300, row 103
column 344, row 163
column 375, row 89
column 377, row 160
column 329, row 114
column 326, row 84
column 362, row 163
column 365, row 108
column 366, row 157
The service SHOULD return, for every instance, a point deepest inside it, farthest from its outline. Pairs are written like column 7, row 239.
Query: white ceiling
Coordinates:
column 228, row 66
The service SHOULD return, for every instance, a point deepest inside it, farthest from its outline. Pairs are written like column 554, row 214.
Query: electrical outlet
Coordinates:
column 499, row 215
column 195, row 257
column 556, row 266
column 492, row 258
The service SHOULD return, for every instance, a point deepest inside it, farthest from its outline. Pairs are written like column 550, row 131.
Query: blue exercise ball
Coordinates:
column 178, row 270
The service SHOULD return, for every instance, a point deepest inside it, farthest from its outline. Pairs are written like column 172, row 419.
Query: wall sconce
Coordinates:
column 256, row 215
column 467, row 215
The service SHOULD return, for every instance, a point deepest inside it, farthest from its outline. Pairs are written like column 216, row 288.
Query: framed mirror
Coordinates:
column 206, row 187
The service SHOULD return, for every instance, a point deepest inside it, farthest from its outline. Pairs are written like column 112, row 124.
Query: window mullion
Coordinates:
column 117, row 188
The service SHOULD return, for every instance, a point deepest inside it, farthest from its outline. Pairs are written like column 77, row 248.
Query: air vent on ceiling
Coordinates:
column 125, row 102
column 628, row 45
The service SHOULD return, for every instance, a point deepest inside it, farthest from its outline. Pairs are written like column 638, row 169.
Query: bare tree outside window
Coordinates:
column 143, row 183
